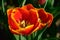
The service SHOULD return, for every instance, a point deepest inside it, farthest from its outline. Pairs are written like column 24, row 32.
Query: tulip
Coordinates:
column 27, row 19
column 41, row 2
column 45, row 17
column 21, row 20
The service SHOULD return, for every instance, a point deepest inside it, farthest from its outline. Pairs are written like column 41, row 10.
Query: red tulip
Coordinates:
column 27, row 19
column 45, row 17
column 22, row 20
column 41, row 2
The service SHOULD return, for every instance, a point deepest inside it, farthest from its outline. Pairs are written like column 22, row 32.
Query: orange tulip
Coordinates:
column 27, row 19
column 21, row 20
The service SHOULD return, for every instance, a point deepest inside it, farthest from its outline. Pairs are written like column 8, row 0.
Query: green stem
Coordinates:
column 3, row 6
column 24, row 1
column 39, row 37
column 52, row 3
column 17, row 37
column 39, row 5
column 21, row 2
column 45, row 4
column 29, row 37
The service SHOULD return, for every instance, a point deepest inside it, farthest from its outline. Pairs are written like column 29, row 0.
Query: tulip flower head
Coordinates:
column 27, row 19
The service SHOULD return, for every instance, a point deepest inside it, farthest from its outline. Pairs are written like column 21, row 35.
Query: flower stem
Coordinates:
column 19, row 37
column 45, row 4
column 3, row 6
column 24, row 1
column 29, row 37
column 39, row 37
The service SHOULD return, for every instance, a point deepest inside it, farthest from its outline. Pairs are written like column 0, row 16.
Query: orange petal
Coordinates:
column 14, row 31
column 17, row 15
column 12, row 24
column 27, row 30
column 9, row 11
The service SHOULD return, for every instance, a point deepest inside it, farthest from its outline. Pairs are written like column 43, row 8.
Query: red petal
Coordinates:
column 28, row 7
column 33, row 16
column 12, row 24
column 49, row 19
column 17, row 15
column 42, row 14
column 25, row 14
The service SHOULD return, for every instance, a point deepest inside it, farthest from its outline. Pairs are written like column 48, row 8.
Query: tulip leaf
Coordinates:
column 16, row 36
column 39, row 33
column 20, row 2
column 50, row 3
column 3, row 6
column 39, row 36
column 23, row 37
column 20, row 37
column 24, row 1
column 45, row 3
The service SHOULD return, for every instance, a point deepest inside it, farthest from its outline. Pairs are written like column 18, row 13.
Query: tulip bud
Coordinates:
column 41, row 1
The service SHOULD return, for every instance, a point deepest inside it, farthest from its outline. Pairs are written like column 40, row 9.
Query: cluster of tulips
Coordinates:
column 27, row 19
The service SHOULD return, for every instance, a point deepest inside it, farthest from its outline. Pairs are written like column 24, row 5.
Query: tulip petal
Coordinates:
column 9, row 11
column 28, row 7
column 25, row 14
column 17, row 15
column 49, row 19
column 27, row 30
column 33, row 16
column 42, row 14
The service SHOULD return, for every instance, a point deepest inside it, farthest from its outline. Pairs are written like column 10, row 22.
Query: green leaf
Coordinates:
column 3, row 6
column 20, row 37
column 45, row 3
column 16, row 36
column 20, row 2
column 50, row 3
column 39, row 33
column 24, row 1
column 23, row 37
